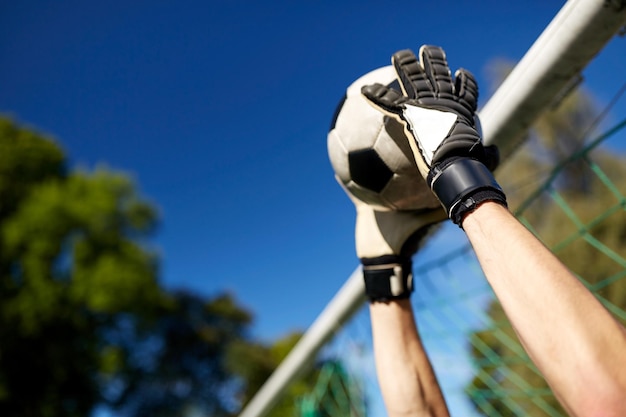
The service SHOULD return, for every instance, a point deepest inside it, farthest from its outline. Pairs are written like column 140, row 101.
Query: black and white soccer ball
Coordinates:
column 371, row 155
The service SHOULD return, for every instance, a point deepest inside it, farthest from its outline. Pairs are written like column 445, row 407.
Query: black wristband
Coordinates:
column 387, row 277
column 473, row 200
column 461, row 184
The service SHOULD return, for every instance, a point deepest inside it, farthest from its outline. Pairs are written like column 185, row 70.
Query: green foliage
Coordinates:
column 71, row 260
column 579, row 215
column 253, row 363
column 26, row 159
column 83, row 319
column 71, row 240
column 176, row 363
column 323, row 389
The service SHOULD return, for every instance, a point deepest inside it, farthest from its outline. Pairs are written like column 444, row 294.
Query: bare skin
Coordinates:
column 405, row 375
column 574, row 341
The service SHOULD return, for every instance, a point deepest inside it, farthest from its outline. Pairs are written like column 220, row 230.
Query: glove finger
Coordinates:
column 433, row 60
column 410, row 74
column 466, row 89
column 384, row 99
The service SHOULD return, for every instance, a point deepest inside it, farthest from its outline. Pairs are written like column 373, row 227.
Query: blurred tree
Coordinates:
column 83, row 320
column 324, row 389
column 70, row 260
column 176, row 364
column 253, row 363
column 506, row 382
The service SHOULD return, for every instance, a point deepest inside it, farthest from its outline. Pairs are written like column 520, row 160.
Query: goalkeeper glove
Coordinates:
column 385, row 244
column 438, row 114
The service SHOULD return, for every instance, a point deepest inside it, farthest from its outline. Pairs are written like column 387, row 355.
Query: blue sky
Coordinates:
column 220, row 109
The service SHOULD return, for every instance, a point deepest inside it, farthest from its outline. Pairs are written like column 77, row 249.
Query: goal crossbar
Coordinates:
column 577, row 33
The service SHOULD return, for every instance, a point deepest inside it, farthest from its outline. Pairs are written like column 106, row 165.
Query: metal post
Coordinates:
column 576, row 34
column 343, row 305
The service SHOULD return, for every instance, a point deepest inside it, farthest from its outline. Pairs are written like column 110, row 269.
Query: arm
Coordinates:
column 385, row 243
column 574, row 341
column 406, row 378
column 578, row 346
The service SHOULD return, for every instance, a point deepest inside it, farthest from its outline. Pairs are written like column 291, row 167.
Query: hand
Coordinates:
column 385, row 243
column 438, row 114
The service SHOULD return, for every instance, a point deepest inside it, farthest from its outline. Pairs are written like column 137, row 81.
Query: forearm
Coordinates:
column 574, row 341
column 406, row 378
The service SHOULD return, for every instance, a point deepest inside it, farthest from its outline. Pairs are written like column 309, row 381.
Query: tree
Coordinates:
column 70, row 260
column 83, row 319
column 506, row 383
column 176, row 364
column 84, row 322
column 254, row 363
column 324, row 389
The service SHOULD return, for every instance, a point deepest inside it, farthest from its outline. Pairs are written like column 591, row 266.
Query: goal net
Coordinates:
column 578, row 209
column 566, row 183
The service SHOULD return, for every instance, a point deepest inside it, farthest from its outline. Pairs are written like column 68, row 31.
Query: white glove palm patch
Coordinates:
column 430, row 127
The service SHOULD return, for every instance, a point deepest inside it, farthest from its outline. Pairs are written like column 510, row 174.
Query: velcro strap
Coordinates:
column 461, row 184
column 387, row 278
column 473, row 200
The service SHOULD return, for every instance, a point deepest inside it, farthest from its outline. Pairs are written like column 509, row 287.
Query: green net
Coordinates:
column 578, row 209
column 584, row 223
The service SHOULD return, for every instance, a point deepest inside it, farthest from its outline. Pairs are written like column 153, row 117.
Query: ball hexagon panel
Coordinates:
column 368, row 169
column 371, row 155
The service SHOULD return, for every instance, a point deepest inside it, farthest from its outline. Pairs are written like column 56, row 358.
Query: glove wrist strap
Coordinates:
column 388, row 278
column 462, row 184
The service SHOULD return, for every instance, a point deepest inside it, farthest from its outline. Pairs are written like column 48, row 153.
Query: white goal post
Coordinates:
column 576, row 34
column 574, row 37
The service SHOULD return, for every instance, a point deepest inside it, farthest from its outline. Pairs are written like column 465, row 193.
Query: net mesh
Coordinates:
column 482, row 368
column 577, row 207
column 479, row 362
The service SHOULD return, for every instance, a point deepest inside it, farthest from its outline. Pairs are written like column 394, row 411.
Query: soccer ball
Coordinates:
column 371, row 155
